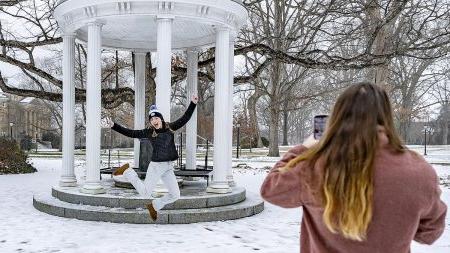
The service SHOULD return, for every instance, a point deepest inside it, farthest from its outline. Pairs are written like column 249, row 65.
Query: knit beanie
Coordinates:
column 154, row 112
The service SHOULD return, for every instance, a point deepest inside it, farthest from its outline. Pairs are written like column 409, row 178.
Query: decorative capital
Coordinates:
column 165, row 17
column 222, row 28
column 68, row 35
column 96, row 22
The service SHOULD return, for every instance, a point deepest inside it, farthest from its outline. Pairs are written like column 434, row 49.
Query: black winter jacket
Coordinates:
column 162, row 139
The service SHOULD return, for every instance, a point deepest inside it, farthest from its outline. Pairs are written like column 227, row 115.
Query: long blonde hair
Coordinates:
column 347, row 150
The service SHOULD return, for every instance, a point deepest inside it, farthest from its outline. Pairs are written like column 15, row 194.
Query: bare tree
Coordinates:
column 315, row 27
column 441, row 92
column 314, row 35
column 410, row 86
column 9, row 2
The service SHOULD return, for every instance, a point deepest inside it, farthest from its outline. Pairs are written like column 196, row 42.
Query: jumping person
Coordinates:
column 161, row 136
column 360, row 188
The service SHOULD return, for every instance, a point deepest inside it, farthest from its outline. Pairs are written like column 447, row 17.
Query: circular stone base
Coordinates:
column 251, row 206
column 121, row 205
column 193, row 195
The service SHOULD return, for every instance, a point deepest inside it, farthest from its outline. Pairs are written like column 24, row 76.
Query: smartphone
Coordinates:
column 320, row 122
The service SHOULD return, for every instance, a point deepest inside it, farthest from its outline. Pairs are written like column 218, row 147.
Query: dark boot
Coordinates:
column 152, row 212
column 119, row 171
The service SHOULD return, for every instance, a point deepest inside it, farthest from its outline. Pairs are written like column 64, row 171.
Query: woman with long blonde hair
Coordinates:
column 360, row 188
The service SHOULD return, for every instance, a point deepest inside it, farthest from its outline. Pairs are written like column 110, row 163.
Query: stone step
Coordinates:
column 50, row 205
column 191, row 198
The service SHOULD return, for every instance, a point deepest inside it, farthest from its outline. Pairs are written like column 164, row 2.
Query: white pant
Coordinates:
column 156, row 171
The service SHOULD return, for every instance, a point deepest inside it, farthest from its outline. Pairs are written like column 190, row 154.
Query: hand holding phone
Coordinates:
column 310, row 141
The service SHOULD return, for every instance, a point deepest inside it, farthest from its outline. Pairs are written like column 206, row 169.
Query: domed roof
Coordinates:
column 132, row 25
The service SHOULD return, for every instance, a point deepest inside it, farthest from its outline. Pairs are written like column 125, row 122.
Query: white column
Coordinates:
column 191, row 126
column 29, row 122
column 139, row 101
column 26, row 119
column 68, row 146
column 33, row 124
column 30, row 114
column 163, row 66
column 93, row 104
column 229, row 132
column 163, row 72
column 220, row 183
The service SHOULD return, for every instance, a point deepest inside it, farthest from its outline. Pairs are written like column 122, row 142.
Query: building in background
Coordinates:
column 22, row 117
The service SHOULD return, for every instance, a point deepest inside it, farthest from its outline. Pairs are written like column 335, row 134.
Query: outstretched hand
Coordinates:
column 107, row 122
column 194, row 99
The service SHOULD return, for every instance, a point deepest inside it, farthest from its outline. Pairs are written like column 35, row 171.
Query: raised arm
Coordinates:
column 140, row 134
column 179, row 123
column 283, row 187
column 287, row 187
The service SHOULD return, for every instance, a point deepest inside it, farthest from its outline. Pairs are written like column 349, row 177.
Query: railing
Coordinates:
column 207, row 150
column 180, row 150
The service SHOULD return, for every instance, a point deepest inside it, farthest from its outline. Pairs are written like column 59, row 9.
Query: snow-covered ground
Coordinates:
column 24, row 229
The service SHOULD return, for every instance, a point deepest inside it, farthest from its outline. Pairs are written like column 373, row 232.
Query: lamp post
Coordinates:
column 238, row 140
column 109, row 149
column 36, row 143
column 427, row 130
column 425, row 140
column 10, row 129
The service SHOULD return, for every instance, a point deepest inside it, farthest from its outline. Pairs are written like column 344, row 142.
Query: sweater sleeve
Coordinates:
column 284, row 188
column 179, row 123
column 140, row 134
column 432, row 222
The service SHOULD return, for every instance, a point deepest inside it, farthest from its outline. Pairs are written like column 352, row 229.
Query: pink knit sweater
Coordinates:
column 407, row 204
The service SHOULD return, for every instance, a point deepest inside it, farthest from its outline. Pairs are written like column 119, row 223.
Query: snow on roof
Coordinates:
column 27, row 100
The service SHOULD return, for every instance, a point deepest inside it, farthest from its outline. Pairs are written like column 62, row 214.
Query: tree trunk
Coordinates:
column 274, row 111
column 445, row 133
column 273, row 132
column 251, row 108
column 445, row 121
column 116, row 69
column 404, row 125
column 408, row 90
column 379, row 38
column 275, row 80
column 285, row 123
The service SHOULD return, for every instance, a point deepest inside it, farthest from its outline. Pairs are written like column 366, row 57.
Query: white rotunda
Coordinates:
column 145, row 26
